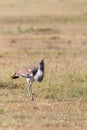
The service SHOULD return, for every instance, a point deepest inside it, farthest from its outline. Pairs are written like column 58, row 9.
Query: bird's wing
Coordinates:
column 33, row 69
column 27, row 72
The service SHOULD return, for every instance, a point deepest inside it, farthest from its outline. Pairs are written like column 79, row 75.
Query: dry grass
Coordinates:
column 56, row 31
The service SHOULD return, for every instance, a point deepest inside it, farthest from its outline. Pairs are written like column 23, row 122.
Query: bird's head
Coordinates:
column 41, row 64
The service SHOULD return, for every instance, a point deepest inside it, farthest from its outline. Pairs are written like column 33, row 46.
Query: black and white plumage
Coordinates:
column 31, row 74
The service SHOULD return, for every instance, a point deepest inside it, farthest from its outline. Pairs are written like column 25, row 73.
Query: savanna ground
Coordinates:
column 55, row 30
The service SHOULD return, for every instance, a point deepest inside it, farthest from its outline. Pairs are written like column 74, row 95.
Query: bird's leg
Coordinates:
column 30, row 90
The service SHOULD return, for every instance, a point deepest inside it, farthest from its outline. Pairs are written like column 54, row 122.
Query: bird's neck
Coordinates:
column 41, row 67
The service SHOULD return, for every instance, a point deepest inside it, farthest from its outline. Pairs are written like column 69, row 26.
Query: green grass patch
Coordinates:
column 68, row 86
column 37, row 30
column 1, row 111
column 43, row 19
column 6, row 81
column 26, row 24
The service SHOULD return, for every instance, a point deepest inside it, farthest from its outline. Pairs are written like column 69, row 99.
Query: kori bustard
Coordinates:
column 32, row 73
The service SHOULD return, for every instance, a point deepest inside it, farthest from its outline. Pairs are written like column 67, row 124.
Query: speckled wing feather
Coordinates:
column 25, row 72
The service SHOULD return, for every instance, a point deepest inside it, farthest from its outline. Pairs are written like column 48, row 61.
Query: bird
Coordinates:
column 31, row 73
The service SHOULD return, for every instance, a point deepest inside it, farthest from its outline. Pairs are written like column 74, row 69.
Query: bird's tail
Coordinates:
column 15, row 76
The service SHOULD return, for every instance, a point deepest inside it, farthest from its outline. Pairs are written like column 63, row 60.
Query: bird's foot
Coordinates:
column 32, row 97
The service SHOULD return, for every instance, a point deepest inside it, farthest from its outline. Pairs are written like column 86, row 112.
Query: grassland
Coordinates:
column 55, row 30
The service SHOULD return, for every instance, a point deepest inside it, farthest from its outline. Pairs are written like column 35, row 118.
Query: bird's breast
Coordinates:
column 39, row 76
